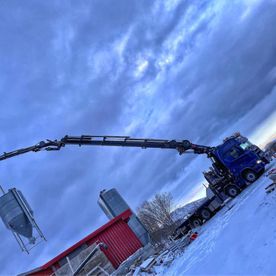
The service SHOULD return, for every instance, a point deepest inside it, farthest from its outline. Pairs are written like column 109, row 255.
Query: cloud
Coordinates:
column 171, row 69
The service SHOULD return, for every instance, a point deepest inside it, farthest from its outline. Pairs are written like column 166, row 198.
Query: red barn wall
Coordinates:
column 116, row 234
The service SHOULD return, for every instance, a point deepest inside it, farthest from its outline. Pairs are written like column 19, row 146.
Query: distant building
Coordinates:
column 113, row 204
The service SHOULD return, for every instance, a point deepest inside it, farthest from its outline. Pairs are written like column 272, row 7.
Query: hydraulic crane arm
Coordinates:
column 124, row 141
column 43, row 145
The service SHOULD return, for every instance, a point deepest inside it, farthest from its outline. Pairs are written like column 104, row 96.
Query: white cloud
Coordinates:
column 174, row 69
column 141, row 65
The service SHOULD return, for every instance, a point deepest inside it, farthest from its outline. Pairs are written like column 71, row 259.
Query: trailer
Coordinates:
column 205, row 211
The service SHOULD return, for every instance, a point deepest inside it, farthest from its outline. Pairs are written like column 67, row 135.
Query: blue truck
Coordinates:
column 235, row 163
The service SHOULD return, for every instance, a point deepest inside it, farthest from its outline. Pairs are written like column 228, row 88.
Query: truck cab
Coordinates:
column 235, row 164
column 242, row 158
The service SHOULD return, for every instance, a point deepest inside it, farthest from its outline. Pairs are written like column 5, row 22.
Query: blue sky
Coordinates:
column 170, row 69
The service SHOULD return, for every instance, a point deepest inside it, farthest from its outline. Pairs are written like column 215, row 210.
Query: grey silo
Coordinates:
column 14, row 216
column 17, row 216
column 113, row 205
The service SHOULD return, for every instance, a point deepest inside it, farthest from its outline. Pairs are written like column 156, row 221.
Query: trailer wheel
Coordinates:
column 232, row 190
column 196, row 222
column 250, row 176
column 205, row 213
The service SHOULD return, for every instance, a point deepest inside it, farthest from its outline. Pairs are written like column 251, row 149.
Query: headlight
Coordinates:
column 259, row 161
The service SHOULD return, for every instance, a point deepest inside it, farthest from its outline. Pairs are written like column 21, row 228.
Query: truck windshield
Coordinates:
column 246, row 145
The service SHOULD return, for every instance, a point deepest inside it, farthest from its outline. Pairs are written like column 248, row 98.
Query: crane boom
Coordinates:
column 124, row 141
column 43, row 145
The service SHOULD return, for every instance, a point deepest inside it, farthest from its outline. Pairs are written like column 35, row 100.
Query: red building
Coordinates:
column 116, row 234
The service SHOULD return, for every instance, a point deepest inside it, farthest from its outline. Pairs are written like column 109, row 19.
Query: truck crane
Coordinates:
column 124, row 141
column 235, row 163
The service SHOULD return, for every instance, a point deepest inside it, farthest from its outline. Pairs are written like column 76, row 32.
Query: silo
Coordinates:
column 113, row 205
column 14, row 216
column 18, row 217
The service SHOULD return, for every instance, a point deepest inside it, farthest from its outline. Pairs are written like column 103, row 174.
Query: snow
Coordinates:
column 147, row 262
column 237, row 241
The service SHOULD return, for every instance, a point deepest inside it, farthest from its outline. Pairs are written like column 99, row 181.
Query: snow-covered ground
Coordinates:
column 240, row 240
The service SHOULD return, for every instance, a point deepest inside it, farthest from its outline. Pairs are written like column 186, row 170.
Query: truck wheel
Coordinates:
column 196, row 223
column 205, row 214
column 232, row 190
column 250, row 176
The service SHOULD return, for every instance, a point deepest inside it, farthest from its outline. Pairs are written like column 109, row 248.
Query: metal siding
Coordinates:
column 112, row 203
column 113, row 258
column 116, row 234
column 126, row 244
column 116, row 250
column 121, row 242
column 113, row 235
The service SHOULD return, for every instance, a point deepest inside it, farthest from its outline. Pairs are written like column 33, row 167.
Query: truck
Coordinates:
column 235, row 163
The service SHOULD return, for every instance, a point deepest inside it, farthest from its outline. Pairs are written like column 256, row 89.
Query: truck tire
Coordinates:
column 206, row 213
column 250, row 176
column 232, row 190
column 196, row 222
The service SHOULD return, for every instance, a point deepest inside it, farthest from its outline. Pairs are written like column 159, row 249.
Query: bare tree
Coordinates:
column 155, row 214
